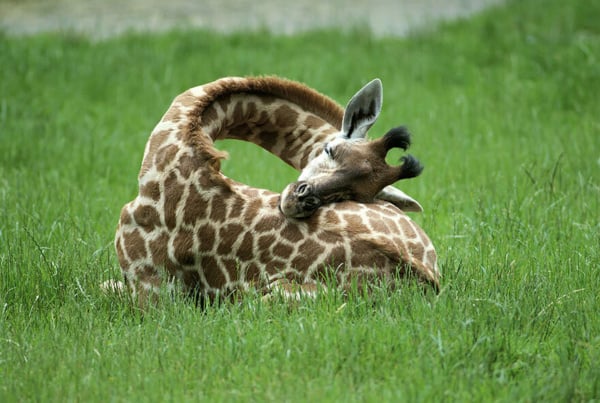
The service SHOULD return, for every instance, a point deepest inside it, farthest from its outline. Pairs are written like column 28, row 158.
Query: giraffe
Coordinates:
column 191, row 225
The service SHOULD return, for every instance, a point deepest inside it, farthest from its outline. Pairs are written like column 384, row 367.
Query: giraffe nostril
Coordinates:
column 312, row 203
column 302, row 190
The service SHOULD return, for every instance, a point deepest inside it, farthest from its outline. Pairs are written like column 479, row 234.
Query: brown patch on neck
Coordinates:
column 155, row 141
column 203, row 145
column 270, row 90
column 303, row 96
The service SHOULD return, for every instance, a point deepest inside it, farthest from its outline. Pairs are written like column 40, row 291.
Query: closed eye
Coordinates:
column 328, row 150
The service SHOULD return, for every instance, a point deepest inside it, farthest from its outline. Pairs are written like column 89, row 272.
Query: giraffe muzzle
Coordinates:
column 298, row 200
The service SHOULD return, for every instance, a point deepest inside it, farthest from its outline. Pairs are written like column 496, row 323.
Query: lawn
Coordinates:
column 505, row 113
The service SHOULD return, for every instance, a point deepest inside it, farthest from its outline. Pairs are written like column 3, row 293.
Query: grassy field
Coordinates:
column 505, row 111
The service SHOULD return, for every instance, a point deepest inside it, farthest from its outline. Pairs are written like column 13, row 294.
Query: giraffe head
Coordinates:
column 350, row 166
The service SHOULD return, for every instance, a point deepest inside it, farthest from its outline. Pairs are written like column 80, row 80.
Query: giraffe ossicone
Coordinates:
column 191, row 225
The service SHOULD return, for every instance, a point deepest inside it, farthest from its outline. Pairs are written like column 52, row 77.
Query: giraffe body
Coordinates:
column 193, row 225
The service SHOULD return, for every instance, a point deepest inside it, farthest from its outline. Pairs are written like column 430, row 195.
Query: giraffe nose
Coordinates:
column 298, row 200
column 307, row 198
column 303, row 190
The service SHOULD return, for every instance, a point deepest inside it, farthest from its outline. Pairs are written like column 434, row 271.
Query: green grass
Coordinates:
column 505, row 113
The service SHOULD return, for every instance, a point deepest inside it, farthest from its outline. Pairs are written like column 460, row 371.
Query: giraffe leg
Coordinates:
column 144, row 286
column 113, row 287
column 292, row 291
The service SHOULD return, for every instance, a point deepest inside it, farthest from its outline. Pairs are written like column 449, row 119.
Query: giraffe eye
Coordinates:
column 328, row 150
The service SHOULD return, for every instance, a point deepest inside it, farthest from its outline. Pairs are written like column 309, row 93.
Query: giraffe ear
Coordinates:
column 362, row 110
column 400, row 199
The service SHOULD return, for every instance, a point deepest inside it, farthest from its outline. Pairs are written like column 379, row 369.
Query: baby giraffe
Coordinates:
column 193, row 226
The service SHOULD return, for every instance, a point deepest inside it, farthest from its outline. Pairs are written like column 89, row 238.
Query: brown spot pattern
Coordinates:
column 407, row 228
column 134, row 245
column 224, row 103
column 151, row 189
column 337, row 255
column 159, row 246
column 228, row 234
column 149, row 274
column 183, row 248
column 330, row 237
column 332, row 218
column 206, row 238
column 191, row 279
column 285, row 116
column 311, row 248
column 266, row 241
column 378, row 225
column 147, row 217
column 209, row 116
column 416, row 250
column 238, row 113
column 365, row 254
column 232, row 268
column 187, row 99
column 282, row 250
column 120, row 255
column 236, row 208
column 392, row 226
column 423, row 236
column 314, row 121
column 252, row 210
column 268, row 139
column 218, row 210
column 187, row 164
column 212, row 272
column 173, row 193
column 245, row 251
column 173, row 268
column 265, row 257
column 302, row 261
column 431, row 256
column 125, row 218
column 268, row 223
column 291, row 233
column 155, row 141
column 252, row 272
column 355, row 224
column 252, row 193
column 165, row 155
column 173, row 114
column 195, row 206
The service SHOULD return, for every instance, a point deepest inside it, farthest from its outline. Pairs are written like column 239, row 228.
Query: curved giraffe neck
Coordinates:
column 191, row 223
column 284, row 117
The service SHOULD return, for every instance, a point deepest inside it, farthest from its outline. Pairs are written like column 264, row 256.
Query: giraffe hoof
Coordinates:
column 112, row 287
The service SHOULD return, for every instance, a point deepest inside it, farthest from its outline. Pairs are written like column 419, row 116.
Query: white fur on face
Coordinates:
column 323, row 164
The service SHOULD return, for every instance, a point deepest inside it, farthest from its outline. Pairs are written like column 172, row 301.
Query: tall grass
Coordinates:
column 505, row 114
